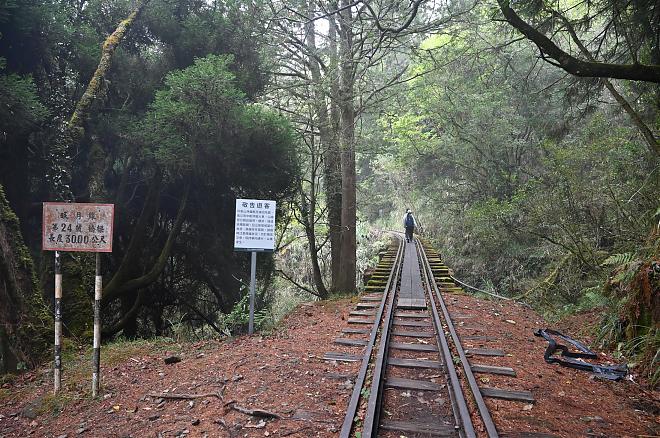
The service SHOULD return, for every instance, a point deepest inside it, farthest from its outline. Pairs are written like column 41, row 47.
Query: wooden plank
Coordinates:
column 503, row 371
column 366, row 305
column 413, row 363
column 342, row 357
column 411, row 304
column 356, row 331
column 445, row 284
column 427, row 429
column 363, row 313
column 410, row 315
column 351, row 342
column 421, row 385
column 485, row 351
column 368, row 298
column 412, row 334
column 413, row 347
column 523, row 396
column 360, row 321
column 412, row 324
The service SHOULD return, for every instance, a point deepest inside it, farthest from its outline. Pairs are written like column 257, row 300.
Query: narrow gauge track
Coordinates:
column 404, row 386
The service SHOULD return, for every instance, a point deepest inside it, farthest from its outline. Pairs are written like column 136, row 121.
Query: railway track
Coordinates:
column 415, row 377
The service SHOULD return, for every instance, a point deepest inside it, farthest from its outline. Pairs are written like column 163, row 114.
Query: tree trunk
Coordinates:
column 120, row 284
column 347, row 272
column 307, row 216
column 331, row 170
column 73, row 130
column 25, row 324
column 332, row 160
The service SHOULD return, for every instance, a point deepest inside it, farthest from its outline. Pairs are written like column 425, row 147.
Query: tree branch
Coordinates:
column 578, row 67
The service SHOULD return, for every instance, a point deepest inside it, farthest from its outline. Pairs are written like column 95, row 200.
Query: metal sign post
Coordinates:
column 85, row 228
column 254, row 231
column 96, row 354
column 253, row 287
column 57, row 369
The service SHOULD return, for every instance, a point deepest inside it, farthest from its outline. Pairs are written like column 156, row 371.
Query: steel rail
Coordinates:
column 347, row 426
column 459, row 403
column 372, row 415
column 469, row 375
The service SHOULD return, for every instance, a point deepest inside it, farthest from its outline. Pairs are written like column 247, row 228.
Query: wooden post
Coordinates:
column 96, row 355
column 57, row 371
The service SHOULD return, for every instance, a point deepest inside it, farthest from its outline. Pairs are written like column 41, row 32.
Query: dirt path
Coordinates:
column 283, row 373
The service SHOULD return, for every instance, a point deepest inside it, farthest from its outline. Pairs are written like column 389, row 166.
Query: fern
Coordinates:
column 618, row 259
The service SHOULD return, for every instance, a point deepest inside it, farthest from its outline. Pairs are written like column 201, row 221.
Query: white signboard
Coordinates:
column 77, row 227
column 255, row 225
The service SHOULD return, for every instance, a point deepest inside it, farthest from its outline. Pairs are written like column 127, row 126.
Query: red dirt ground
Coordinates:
column 284, row 373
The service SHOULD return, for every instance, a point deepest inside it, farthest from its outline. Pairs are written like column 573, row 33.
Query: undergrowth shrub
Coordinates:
column 237, row 321
column 632, row 321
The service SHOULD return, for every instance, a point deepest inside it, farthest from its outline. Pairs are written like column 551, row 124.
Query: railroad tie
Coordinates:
column 418, row 385
column 411, row 304
column 350, row 342
column 412, row 324
column 341, row 357
column 425, row 428
column 411, row 315
column 479, row 338
column 413, row 347
column 504, row 394
column 412, row 334
column 485, row 351
column 366, row 305
column 503, row 371
column 360, row 321
column 357, row 331
column 363, row 313
column 414, row 363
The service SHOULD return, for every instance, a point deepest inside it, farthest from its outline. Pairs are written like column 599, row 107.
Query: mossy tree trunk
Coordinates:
column 25, row 320
column 73, row 130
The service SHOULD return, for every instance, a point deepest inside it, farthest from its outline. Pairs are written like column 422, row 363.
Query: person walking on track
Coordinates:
column 409, row 223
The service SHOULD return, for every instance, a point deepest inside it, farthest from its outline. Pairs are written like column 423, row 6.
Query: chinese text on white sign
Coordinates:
column 255, row 225
column 77, row 227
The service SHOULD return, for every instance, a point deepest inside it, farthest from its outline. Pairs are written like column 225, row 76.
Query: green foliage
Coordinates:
column 618, row 259
column 237, row 321
column 197, row 103
column 20, row 108
column 201, row 122
column 510, row 174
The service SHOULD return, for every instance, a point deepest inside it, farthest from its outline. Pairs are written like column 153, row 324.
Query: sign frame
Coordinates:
column 110, row 232
column 274, row 222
